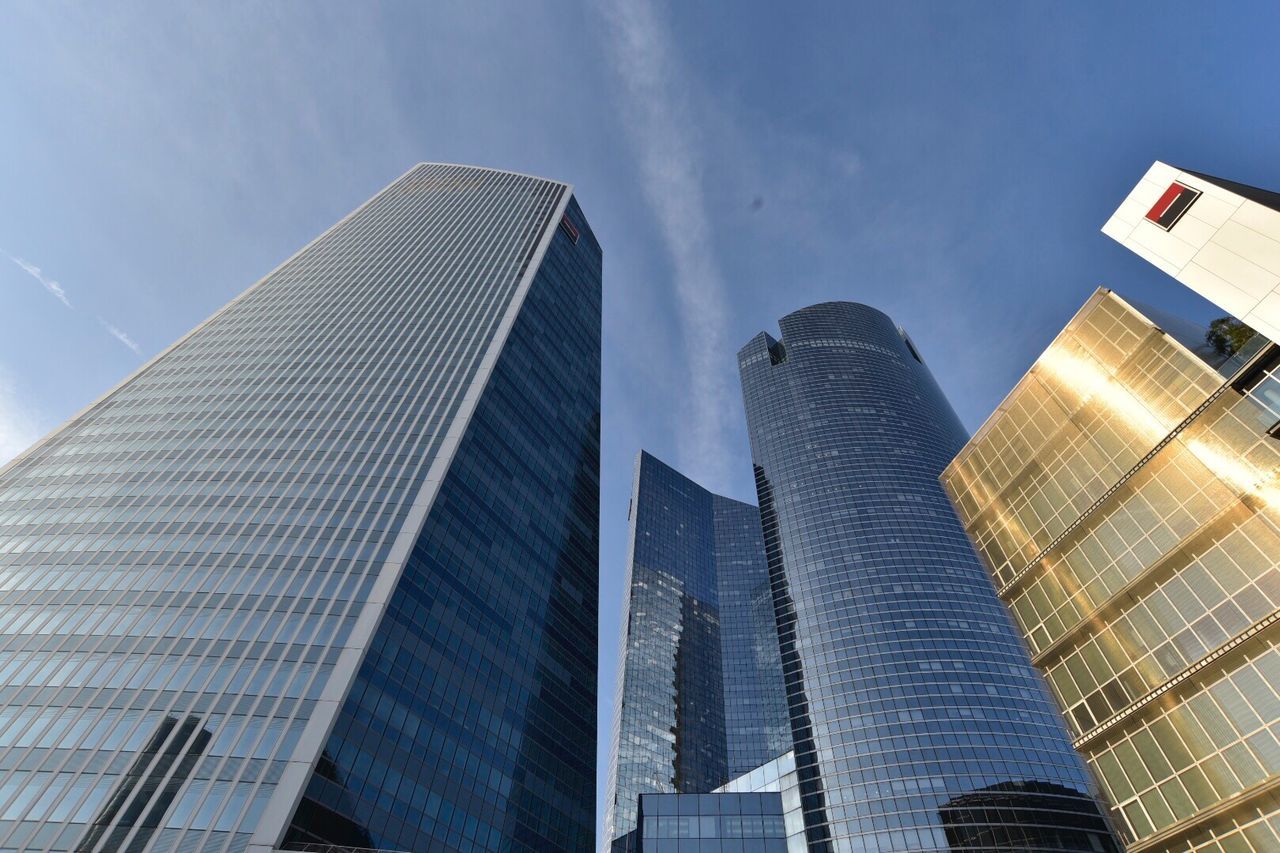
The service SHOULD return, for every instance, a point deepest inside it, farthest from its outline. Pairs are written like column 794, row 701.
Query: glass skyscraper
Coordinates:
column 912, row 699
column 325, row 571
column 700, row 696
column 1124, row 496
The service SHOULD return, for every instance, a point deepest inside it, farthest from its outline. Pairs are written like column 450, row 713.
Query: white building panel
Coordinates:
column 1251, row 244
column 1262, row 219
column 1268, row 311
column 1170, row 249
column 1195, row 232
column 1232, row 267
column 1219, row 238
column 1228, row 297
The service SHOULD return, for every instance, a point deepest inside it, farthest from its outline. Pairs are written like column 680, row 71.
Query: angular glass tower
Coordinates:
column 700, row 696
column 325, row 571
column 1124, row 497
column 911, row 696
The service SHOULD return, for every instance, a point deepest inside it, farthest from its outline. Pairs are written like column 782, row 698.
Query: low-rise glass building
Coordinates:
column 711, row 823
column 778, row 775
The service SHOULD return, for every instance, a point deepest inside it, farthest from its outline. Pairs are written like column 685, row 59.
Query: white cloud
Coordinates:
column 660, row 121
column 49, row 284
column 19, row 424
column 56, row 289
column 121, row 336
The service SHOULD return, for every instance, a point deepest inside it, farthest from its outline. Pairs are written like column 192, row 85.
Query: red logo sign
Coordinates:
column 569, row 228
column 1176, row 201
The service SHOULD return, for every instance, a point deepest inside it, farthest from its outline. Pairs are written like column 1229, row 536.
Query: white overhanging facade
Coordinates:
column 1218, row 237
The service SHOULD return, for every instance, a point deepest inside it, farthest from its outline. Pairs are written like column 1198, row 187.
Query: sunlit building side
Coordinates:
column 1124, row 497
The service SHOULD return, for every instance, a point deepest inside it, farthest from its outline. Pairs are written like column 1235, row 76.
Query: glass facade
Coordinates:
column 908, row 687
column 778, row 775
column 755, row 700
column 204, row 568
column 1125, row 498
column 1025, row 816
column 700, row 695
column 711, row 823
column 479, row 733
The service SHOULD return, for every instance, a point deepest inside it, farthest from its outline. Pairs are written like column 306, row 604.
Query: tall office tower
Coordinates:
column 700, row 693
column 1125, row 497
column 910, row 692
column 325, row 570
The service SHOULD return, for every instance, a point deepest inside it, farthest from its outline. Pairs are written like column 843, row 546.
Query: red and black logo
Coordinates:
column 568, row 228
column 1176, row 201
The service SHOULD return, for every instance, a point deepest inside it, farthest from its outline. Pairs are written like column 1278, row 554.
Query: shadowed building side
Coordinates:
column 477, row 700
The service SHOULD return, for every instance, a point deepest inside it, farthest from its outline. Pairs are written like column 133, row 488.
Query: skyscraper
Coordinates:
column 1124, row 496
column 325, row 570
column 700, row 694
column 912, row 699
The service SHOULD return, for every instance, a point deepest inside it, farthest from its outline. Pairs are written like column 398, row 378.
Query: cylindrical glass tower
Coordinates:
column 919, row 722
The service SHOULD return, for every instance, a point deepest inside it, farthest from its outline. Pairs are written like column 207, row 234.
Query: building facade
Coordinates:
column 700, row 693
column 1218, row 237
column 324, row 571
column 908, row 687
column 766, row 818
column 711, row 823
column 1125, row 498
column 776, row 776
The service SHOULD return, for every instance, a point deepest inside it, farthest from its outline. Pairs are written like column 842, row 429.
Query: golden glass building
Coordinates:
column 1124, row 497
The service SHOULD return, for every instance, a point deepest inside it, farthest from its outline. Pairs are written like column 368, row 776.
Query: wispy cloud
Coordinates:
column 659, row 121
column 49, row 284
column 56, row 290
column 120, row 336
column 19, row 425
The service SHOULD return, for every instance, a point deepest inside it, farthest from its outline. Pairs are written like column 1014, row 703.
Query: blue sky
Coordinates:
column 949, row 163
